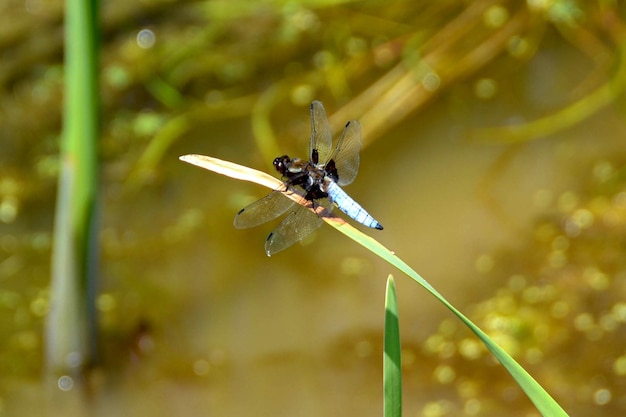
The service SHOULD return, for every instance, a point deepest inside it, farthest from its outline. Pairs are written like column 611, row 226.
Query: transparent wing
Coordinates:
column 321, row 136
column 326, row 203
column 346, row 154
column 299, row 223
column 263, row 210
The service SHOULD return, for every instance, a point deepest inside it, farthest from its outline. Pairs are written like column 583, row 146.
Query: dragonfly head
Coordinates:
column 282, row 164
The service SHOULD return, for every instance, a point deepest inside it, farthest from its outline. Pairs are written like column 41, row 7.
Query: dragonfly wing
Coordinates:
column 321, row 136
column 346, row 154
column 299, row 223
column 263, row 210
column 326, row 203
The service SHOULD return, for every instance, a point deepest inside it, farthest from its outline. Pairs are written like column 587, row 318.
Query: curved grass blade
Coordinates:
column 233, row 170
column 392, row 361
column 546, row 405
column 244, row 173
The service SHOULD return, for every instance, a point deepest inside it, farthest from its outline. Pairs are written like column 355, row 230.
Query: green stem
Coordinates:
column 71, row 322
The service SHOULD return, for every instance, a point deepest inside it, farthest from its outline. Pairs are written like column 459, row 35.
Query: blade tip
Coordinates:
column 186, row 158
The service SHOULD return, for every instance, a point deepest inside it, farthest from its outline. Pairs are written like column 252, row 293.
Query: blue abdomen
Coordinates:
column 346, row 204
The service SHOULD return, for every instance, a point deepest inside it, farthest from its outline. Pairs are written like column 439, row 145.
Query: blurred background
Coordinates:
column 493, row 155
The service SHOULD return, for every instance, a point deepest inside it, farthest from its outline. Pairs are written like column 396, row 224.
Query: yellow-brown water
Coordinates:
column 524, row 233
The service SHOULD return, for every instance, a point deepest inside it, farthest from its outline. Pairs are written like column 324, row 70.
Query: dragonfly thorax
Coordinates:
column 306, row 174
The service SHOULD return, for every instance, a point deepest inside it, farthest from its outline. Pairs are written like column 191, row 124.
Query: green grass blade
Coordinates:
column 71, row 322
column 542, row 400
column 392, row 363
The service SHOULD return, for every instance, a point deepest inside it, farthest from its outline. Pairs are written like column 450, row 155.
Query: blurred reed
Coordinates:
column 71, row 322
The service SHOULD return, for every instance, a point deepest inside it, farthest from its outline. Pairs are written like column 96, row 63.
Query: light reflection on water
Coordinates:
column 526, row 239
column 230, row 327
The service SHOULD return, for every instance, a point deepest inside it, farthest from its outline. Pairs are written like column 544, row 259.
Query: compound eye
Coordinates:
column 281, row 163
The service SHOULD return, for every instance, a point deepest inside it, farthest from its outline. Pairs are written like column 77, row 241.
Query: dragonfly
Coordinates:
column 318, row 179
